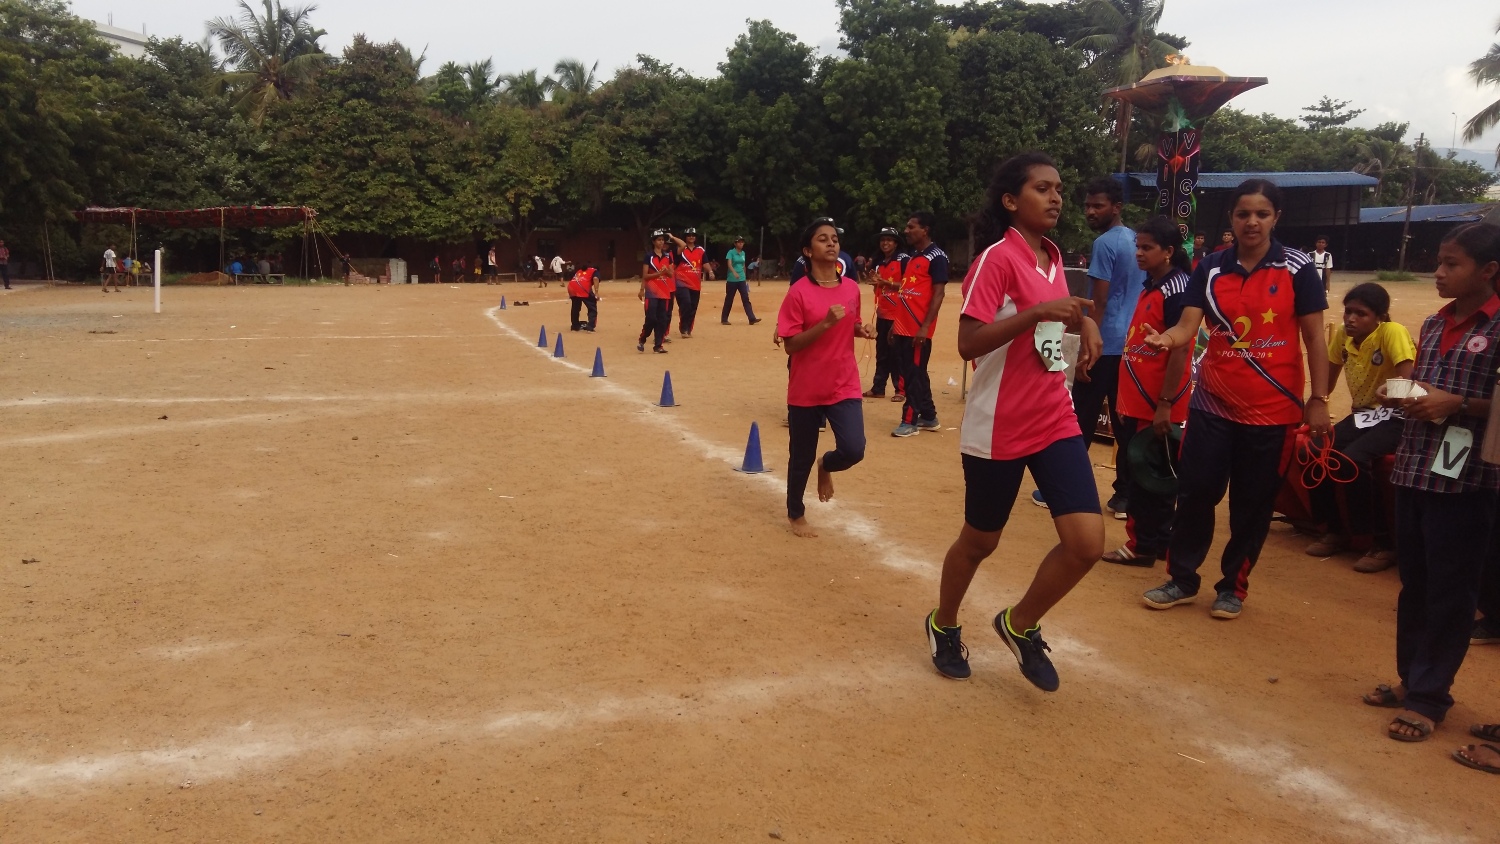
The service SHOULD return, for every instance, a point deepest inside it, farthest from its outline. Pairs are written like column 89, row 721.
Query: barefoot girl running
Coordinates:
column 817, row 324
column 1015, row 308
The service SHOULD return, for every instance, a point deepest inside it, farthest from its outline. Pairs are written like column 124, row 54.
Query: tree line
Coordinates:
column 922, row 101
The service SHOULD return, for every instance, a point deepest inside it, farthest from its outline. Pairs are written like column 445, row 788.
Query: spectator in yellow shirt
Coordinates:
column 1369, row 349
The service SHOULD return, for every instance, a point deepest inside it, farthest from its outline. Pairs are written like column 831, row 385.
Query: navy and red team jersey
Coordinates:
column 1252, row 372
column 1143, row 369
column 690, row 267
column 581, row 285
column 660, row 288
column 921, row 272
column 889, row 271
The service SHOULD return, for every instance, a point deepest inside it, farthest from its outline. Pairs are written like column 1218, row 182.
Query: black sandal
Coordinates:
column 1423, row 728
column 1384, row 696
column 1460, row 758
column 1488, row 732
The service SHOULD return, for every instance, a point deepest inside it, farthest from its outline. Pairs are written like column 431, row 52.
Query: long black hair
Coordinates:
column 1167, row 235
column 993, row 220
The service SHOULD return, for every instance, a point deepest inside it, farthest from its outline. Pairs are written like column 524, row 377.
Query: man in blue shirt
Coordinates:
column 1117, row 285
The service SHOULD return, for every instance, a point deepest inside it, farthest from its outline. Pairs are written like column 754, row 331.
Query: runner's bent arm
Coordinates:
column 976, row 338
column 801, row 340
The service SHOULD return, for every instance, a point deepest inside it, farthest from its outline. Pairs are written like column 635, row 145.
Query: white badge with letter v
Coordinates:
column 1453, row 453
column 1049, row 344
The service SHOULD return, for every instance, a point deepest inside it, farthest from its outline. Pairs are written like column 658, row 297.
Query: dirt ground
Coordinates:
column 364, row 564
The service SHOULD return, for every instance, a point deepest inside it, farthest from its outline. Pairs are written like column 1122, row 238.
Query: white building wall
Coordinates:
column 130, row 44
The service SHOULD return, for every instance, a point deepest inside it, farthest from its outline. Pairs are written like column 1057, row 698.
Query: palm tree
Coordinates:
column 574, row 78
column 526, row 89
column 483, row 83
column 270, row 55
column 1122, row 38
column 1485, row 71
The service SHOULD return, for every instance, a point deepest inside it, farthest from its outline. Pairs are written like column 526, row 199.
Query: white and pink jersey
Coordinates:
column 1016, row 407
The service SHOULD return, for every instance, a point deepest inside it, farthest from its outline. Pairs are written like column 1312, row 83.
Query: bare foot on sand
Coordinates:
column 825, row 483
column 802, row 528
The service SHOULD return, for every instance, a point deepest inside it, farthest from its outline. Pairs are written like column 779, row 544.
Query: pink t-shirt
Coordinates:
column 826, row 371
column 1016, row 407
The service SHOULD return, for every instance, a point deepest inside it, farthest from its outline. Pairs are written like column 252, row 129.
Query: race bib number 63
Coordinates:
column 1049, row 344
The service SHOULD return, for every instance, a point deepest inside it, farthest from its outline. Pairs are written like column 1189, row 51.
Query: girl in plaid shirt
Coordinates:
column 1446, row 496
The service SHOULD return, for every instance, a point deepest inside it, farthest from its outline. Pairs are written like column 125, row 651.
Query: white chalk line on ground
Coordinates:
column 251, row 746
column 1284, row 773
column 506, row 395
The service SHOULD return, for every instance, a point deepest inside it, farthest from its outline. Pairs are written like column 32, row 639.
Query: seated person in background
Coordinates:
column 236, row 268
column 1371, row 349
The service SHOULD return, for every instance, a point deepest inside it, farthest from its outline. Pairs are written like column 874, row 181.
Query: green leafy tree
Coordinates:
column 1125, row 46
column 63, row 143
column 771, row 132
column 886, row 108
column 518, row 168
column 448, row 90
column 270, row 55
column 363, row 150
column 483, row 84
column 1018, row 91
column 1059, row 23
column 1328, row 113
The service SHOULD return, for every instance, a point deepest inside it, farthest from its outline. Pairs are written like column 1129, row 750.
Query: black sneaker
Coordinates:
column 1030, row 652
column 641, row 346
column 756, row 321
column 949, row 656
column 1119, row 505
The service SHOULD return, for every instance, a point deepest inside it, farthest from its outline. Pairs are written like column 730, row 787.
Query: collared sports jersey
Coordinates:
column 1113, row 262
column 920, row 273
column 582, row 283
column 888, row 270
column 1252, row 372
column 1368, row 365
column 689, row 272
column 660, row 288
column 1016, row 406
column 1143, row 370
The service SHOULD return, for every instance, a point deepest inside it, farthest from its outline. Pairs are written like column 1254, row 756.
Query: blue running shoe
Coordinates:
column 949, row 656
column 1030, row 652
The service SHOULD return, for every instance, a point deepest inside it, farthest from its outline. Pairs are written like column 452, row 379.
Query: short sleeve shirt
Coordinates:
column 1016, row 407
column 660, row 288
column 1252, row 372
column 109, row 258
column 799, row 267
column 1322, row 260
column 689, row 271
column 1367, row 365
column 1143, row 369
column 1113, row 260
column 889, row 270
column 922, row 272
column 735, row 258
column 825, row 372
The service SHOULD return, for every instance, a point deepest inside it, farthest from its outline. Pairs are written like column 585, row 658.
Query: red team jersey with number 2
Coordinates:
column 1016, row 406
column 690, row 267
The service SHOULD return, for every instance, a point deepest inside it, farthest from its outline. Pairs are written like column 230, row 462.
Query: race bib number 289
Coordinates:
column 1049, row 344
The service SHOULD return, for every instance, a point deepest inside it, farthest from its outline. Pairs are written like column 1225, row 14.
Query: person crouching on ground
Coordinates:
column 1020, row 417
column 1371, row 349
column 1264, row 304
column 1154, row 386
column 817, row 324
column 1447, row 497
column 583, row 291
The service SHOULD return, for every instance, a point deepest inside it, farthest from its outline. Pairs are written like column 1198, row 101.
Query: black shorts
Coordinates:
column 1062, row 472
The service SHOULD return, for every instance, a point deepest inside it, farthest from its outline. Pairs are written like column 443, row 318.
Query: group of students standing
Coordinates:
column 672, row 275
column 1229, row 425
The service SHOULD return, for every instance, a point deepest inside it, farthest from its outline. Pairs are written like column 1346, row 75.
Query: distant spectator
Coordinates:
column 5, row 264
column 1226, row 240
column 540, row 269
column 435, row 266
column 264, row 268
column 1199, row 241
column 1323, row 261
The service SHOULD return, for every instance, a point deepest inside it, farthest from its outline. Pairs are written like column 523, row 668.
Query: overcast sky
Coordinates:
column 1397, row 59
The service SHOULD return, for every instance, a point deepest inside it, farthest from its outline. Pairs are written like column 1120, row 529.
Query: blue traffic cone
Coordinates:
column 541, row 341
column 558, row 352
column 666, row 391
column 753, row 464
column 502, row 303
column 598, row 364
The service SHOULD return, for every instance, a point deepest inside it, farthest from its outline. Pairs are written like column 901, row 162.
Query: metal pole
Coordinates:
column 760, row 258
column 1411, row 191
column 156, row 279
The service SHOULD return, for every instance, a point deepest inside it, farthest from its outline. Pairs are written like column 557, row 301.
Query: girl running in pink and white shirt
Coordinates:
column 1020, row 416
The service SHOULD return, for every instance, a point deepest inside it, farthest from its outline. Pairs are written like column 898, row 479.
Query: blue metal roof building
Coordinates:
column 1230, row 181
column 1469, row 212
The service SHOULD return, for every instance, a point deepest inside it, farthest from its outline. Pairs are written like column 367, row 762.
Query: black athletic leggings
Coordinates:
column 847, row 420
